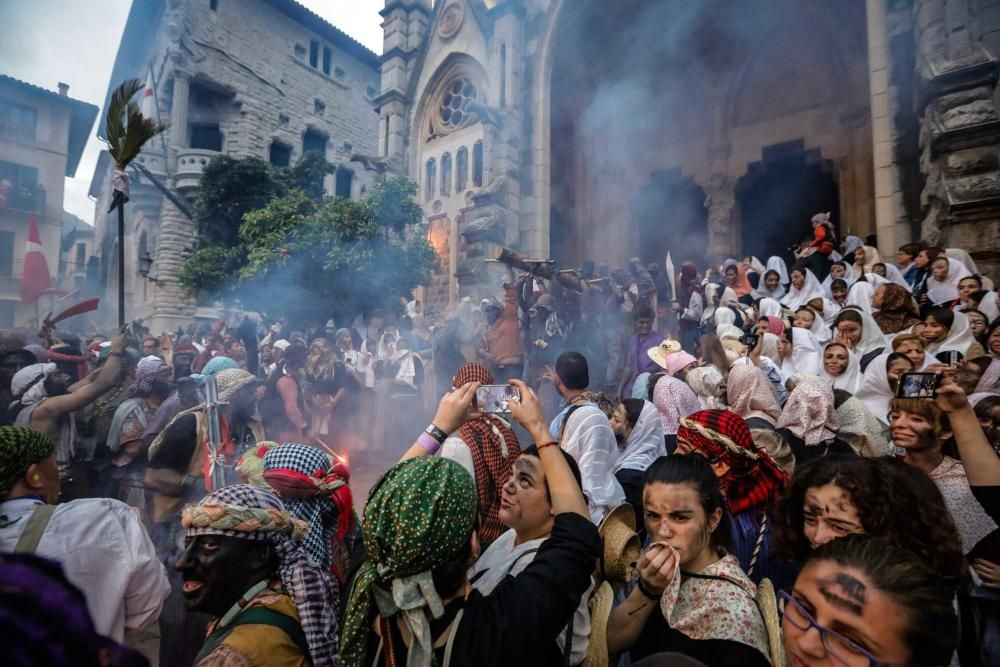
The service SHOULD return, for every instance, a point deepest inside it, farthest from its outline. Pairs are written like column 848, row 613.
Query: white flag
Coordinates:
column 148, row 104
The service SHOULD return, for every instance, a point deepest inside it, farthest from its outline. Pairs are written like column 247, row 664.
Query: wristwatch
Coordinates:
column 436, row 433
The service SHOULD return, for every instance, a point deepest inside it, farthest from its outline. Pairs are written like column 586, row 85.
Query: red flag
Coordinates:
column 36, row 279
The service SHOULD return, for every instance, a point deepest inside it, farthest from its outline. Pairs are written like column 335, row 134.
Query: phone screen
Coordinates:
column 494, row 398
column 918, row 385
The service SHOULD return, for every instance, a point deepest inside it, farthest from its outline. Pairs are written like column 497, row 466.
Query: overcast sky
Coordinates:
column 47, row 41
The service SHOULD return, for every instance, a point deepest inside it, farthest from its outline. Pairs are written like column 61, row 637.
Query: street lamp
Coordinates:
column 145, row 263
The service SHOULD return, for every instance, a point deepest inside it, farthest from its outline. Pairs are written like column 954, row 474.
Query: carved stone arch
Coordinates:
column 419, row 122
column 443, row 109
column 817, row 17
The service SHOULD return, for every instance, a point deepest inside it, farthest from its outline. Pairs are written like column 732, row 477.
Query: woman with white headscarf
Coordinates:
column 775, row 263
column 769, row 287
column 799, row 352
column 724, row 317
column 805, row 287
column 865, row 258
column 859, row 332
column 841, row 367
column 945, row 331
column 838, row 270
column 851, row 244
column 878, row 385
column 860, row 296
column 942, row 285
column 769, row 308
column 639, row 433
column 894, row 275
column 807, row 318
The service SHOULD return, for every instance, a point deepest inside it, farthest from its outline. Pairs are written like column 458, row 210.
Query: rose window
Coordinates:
column 455, row 102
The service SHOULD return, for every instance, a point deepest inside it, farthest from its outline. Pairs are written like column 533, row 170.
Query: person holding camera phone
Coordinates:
column 921, row 428
column 486, row 446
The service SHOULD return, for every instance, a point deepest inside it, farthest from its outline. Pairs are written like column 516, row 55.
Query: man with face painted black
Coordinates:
column 243, row 563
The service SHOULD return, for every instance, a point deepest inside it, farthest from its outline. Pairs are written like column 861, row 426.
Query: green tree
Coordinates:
column 229, row 189
column 306, row 257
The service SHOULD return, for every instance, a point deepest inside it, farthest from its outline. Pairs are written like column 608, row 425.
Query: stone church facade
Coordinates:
column 582, row 129
column 263, row 78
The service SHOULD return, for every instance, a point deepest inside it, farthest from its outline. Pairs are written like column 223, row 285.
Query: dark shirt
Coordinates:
column 804, row 452
column 989, row 498
column 658, row 637
column 517, row 624
column 177, row 447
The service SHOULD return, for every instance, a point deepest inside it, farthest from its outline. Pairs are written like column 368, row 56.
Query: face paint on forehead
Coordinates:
column 850, row 593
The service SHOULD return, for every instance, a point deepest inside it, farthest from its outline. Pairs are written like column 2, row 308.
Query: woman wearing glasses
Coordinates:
column 862, row 601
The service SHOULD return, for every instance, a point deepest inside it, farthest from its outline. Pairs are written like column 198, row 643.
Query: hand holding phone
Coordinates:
column 495, row 398
column 918, row 385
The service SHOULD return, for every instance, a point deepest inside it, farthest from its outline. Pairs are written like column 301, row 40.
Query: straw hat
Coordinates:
column 621, row 545
column 600, row 611
column 662, row 352
column 767, row 603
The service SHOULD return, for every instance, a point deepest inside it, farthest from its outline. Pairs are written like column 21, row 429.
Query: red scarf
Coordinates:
column 753, row 479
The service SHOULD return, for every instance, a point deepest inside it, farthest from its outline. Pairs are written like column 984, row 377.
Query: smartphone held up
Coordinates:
column 495, row 398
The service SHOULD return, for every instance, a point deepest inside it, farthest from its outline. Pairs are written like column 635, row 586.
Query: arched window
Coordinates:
column 446, row 175
column 430, row 180
column 477, row 164
column 461, row 169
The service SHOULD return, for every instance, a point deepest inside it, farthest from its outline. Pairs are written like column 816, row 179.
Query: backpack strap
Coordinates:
column 257, row 616
column 28, row 541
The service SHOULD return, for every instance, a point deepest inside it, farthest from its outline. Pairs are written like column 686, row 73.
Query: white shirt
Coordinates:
column 105, row 552
column 588, row 438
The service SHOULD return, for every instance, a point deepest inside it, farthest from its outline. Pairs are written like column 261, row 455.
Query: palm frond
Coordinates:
column 127, row 129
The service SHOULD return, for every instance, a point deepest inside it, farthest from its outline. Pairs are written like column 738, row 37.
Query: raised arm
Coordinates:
column 982, row 465
column 566, row 494
column 452, row 412
column 55, row 407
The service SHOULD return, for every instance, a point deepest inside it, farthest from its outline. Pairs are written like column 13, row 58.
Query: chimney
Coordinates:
column 63, row 88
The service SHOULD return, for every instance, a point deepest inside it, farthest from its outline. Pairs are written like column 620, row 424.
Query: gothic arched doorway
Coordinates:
column 779, row 195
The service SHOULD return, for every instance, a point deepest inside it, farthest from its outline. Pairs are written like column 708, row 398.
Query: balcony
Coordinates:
column 22, row 199
column 190, row 163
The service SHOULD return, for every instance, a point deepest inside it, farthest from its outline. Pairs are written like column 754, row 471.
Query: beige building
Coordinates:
column 260, row 78
column 77, row 251
column 583, row 129
column 42, row 135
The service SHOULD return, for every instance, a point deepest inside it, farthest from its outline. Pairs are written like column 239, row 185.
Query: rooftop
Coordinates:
column 81, row 117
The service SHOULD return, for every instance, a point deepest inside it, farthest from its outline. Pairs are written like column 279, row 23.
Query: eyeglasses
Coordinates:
column 842, row 649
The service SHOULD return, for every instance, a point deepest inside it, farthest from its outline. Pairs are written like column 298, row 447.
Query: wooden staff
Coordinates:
column 540, row 268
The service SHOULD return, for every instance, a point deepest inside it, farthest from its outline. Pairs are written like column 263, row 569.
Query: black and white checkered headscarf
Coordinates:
column 250, row 513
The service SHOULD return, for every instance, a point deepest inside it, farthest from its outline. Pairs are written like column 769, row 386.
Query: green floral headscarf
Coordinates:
column 419, row 515
column 20, row 448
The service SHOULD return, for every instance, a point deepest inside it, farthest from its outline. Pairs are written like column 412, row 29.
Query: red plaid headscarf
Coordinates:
column 494, row 448
column 754, row 479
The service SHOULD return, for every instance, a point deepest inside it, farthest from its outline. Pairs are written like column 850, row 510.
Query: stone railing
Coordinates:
column 190, row 163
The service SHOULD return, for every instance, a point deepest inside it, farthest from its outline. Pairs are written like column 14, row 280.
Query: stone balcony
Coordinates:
column 190, row 163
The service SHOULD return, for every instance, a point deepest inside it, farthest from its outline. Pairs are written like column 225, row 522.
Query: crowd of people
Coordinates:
column 751, row 463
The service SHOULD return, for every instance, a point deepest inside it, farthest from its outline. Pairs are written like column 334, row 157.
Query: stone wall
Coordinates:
column 245, row 66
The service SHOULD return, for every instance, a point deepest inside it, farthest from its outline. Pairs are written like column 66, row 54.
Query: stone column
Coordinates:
column 720, row 199
column 172, row 306
column 878, row 82
column 179, row 112
column 959, row 133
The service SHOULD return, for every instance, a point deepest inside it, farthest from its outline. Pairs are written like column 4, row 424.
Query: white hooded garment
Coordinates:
column 943, row 291
column 645, row 443
column 811, row 289
column 959, row 338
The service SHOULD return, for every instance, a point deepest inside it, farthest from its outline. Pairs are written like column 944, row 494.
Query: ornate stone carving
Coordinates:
column 451, row 20
column 450, row 106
